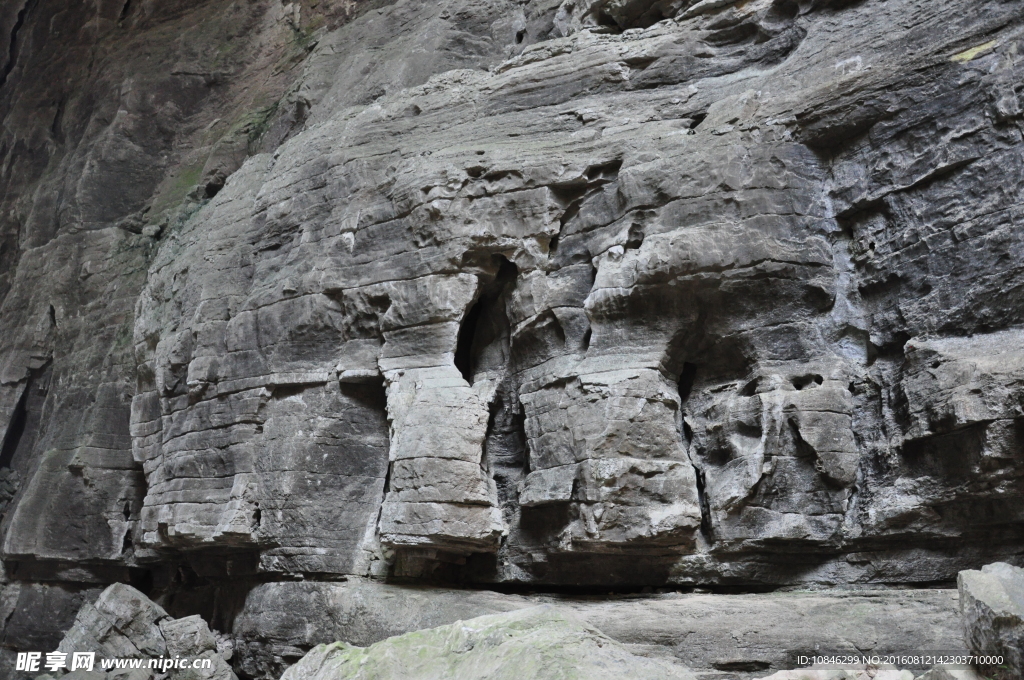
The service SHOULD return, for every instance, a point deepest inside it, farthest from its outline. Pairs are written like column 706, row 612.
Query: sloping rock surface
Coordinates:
column 709, row 633
column 538, row 642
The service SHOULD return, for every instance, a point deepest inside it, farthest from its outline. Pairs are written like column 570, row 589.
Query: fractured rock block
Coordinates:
column 124, row 623
column 992, row 607
column 950, row 383
column 189, row 635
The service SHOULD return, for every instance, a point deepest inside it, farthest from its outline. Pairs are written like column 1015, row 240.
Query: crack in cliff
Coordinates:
column 15, row 429
column 125, row 11
column 685, row 385
column 12, row 55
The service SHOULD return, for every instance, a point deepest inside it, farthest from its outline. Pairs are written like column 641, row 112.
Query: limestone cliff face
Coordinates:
column 594, row 292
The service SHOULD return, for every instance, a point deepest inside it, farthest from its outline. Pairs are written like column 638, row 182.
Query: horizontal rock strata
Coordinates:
column 581, row 294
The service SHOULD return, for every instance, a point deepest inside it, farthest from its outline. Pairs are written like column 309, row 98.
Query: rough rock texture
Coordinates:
column 125, row 624
column 537, row 642
column 992, row 607
column 593, row 293
column 865, row 674
column 944, row 673
column 871, row 673
column 709, row 633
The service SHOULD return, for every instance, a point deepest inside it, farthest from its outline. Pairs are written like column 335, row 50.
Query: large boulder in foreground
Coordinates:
column 992, row 605
column 125, row 624
column 538, row 642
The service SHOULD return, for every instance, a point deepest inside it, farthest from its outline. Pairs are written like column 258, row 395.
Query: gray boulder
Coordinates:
column 992, row 605
column 124, row 623
column 539, row 642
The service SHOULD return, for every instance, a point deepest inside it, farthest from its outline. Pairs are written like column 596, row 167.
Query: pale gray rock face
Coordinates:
column 630, row 312
column 992, row 606
column 600, row 293
column 712, row 634
column 537, row 642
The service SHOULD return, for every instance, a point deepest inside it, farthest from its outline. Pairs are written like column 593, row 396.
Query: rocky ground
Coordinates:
column 331, row 300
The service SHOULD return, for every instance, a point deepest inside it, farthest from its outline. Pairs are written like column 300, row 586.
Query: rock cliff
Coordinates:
column 505, row 293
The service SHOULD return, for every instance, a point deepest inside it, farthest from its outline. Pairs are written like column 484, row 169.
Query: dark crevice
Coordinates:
column 750, row 389
column 57, row 126
column 741, row 666
column 141, row 580
column 804, row 381
column 686, row 380
column 464, row 345
column 15, row 429
column 125, row 11
column 12, row 57
column 384, row 496
column 126, row 544
column 486, row 324
column 635, row 237
column 608, row 22
column 686, row 377
column 705, row 504
column 605, row 171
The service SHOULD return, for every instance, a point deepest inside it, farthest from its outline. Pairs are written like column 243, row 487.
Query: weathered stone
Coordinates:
column 593, row 293
column 125, row 624
column 861, row 674
column 189, row 635
column 122, row 623
column 992, row 606
column 538, row 642
column 281, row 621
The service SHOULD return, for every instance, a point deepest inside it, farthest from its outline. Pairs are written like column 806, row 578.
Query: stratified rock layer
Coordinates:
column 602, row 293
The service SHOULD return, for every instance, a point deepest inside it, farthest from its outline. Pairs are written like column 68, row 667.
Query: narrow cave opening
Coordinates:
column 464, row 345
column 686, row 378
column 483, row 341
column 127, row 545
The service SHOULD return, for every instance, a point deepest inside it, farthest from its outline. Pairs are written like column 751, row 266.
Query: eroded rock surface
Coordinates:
column 601, row 293
column 125, row 624
column 992, row 606
column 538, row 642
column 716, row 635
